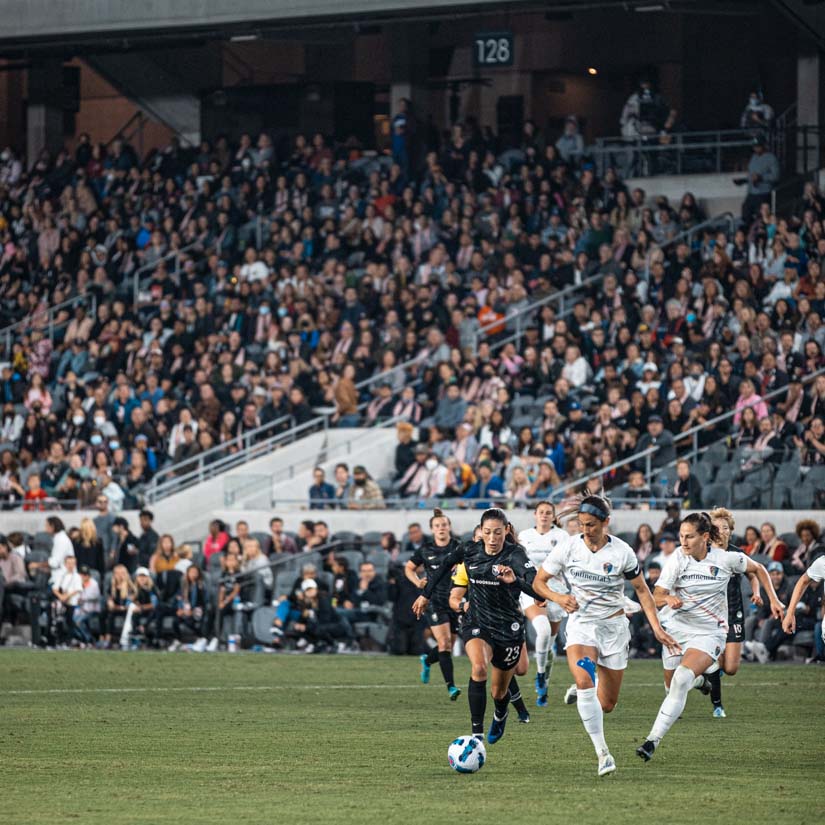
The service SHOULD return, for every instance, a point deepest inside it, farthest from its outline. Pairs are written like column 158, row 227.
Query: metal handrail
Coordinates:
column 204, row 471
column 243, row 441
column 26, row 323
column 151, row 267
column 692, row 433
column 290, row 471
column 559, row 296
column 606, row 148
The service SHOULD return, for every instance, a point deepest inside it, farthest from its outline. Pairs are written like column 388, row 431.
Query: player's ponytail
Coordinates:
column 439, row 513
column 703, row 524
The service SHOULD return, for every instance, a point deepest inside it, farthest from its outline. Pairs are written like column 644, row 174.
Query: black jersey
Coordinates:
column 494, row 605
column 735, row 604
column 430, row 556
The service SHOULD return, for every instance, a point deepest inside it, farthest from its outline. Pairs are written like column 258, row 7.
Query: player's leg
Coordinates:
column 694, row 663
column 516, row 700
column 478, row 652
column 608, row 687
column 581, row 659
column 537, row 616
column 429, row 658
column 442, row 633
column 504, row 662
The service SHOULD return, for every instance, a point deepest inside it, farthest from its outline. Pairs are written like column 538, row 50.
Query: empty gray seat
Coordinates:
column 353, row 557
column 43, row 541
column 347, row 537
column 716, row 454
column 727, row 473
column 716, row 495
column 371, row 539
column 745, row 495
column 262, row 620
column 704, row 472
column 381, row 561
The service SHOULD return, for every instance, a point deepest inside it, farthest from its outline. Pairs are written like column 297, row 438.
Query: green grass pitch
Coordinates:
column 154, row 738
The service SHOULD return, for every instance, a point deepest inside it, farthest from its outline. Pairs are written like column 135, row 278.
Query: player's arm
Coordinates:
column 447, row 564
column 663, row 597
column 645, row 598
column 520, row 572
column 552, row 568
column 756, row 589
column 411, row 572
column 457, row 595
column 777, row 608
column 789, row 622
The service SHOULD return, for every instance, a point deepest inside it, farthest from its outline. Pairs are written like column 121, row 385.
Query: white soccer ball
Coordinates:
column 466, row 754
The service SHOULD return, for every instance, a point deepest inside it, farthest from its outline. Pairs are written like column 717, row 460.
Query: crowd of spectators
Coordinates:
column 312, row 268
column 101, row 585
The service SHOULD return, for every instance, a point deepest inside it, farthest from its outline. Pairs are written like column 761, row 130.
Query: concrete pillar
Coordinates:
column 810, row 76
column 44, row 110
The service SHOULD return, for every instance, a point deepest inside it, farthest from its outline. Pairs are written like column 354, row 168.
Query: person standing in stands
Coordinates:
column 763, row 175
column 148, row 541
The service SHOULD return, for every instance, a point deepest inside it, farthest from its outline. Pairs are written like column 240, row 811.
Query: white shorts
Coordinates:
column 555, row 612
column 711, row 643
column 611, row 637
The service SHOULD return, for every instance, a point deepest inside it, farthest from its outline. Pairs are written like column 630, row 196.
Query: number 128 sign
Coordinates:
column 493, row 49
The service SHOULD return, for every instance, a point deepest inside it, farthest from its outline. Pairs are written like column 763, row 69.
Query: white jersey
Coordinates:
column 703, row 588
column 539, row 546
column 596, row 579
column 816, row 572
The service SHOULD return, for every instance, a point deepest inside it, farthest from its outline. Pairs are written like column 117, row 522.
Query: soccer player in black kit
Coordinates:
column 730, row 660
column 441, row 618
column 498, row 571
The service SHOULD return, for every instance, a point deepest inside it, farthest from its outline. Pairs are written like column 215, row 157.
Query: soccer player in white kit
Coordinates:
column 596, row 565
column 545, row 617
column 812, row 576
column 693, row 590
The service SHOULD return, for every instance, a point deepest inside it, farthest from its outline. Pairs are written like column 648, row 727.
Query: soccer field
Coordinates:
column 155, row 738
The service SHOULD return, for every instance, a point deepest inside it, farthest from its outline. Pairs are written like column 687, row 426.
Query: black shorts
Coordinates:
column 440, row 613
column 736, row 630
column 505, row 653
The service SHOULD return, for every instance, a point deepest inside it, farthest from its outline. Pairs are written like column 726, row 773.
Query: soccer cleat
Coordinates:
column 454, row 692
column 524, row 716
column 212, row 647
column 704, row 688
column 607, row 764
column 571, row 695
column 425, row 669
column 646, row 750
column 589, row 666
column 496, row 730
column 719, row 713
column 541, row 690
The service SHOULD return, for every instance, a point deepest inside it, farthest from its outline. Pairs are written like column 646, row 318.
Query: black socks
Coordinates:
column 432, row 656
column 445, row 662
column 715, row 680
column 501, row 707
column 477, row 697
column 515, row 696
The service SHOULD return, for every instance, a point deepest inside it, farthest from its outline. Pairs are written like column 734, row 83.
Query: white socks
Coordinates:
column 590, row 710
column 674, row 703
column 544, row 641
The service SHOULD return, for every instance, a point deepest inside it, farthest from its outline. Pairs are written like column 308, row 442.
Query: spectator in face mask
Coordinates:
column 364, row 494
column 757, row 115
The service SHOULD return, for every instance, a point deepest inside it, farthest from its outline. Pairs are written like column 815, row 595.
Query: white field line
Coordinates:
column 264, row 688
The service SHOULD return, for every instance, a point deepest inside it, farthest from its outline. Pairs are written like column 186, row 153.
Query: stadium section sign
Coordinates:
column 492, row 49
